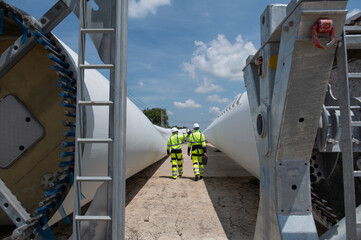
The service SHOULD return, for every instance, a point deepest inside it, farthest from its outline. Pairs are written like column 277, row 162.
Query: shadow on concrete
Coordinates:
column 183, row 177
column 169, row 177
column 234, row 194
column 235, row 201
column 135, row 183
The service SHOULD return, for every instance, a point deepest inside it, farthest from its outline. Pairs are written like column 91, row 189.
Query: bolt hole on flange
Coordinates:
column 294, row 187
column 301, row 119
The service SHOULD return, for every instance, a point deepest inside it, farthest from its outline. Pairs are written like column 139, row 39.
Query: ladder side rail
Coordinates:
column 120, row 111
column 79, row 120
column 346, row 142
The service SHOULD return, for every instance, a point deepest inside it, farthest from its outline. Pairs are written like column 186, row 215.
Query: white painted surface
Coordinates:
column 233, row 134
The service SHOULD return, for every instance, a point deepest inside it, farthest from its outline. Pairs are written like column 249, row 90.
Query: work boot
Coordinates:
column 196, row 178
column 201, row 177
column 180, row 174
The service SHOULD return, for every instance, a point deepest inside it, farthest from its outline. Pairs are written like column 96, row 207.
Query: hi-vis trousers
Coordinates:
column 176, row 159
column 198, row 167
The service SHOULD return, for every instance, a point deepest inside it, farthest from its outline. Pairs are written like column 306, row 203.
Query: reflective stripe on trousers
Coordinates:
column 176, row 160
column 197, row 169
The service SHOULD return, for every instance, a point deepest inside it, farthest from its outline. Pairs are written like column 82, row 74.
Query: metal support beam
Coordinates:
column 286, row 81
column 12, row 207
column 120, row 85
column 346, row 142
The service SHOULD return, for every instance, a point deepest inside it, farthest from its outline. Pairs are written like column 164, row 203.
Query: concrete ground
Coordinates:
column 221, row 206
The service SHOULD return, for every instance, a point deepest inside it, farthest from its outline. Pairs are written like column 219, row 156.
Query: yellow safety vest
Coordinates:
column 175, row 141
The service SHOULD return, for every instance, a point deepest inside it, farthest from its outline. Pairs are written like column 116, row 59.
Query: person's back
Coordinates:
column 174, row 147
column 197, row 143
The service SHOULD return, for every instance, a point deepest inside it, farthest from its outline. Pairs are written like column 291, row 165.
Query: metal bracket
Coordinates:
column 17, row 51
column 12, row 207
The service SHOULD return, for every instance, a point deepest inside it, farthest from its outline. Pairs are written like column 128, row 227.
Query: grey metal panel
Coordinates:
column 19, row 130
column 306, row 82
column 298, row 227
column 293, row 181
column 270, row 19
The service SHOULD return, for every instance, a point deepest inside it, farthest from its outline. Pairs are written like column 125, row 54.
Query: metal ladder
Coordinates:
column 351, row 40
column 117, row 117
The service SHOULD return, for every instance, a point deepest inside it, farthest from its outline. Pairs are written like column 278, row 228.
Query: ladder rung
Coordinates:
column 92, row 218
column 94, row 179
column 96, row 66
column 96, row 103
column 97, row 30
column 94, row 140
column 353, row 41
column 357, row 173
column 354, row 75
column 356, row 124
column 353, row 29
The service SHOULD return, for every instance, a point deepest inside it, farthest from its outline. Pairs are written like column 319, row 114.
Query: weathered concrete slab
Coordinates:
column 221, row 206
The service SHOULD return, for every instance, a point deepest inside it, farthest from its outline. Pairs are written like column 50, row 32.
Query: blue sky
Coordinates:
column 183, row 55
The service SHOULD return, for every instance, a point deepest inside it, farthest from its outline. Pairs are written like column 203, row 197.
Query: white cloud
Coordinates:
column 190, row 103
column 353, row 12
column 207, row 86
column 170, row 113
column 214, row 110
column 219, row 59
column 140, row 84
column 216, row 98
column 141, row 8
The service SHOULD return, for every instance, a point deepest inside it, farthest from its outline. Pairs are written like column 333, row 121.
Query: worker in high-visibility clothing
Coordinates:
column 174, row 147
column 197, row 142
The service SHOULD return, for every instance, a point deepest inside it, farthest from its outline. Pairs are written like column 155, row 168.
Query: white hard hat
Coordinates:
column 196, row 125
column 174, row 130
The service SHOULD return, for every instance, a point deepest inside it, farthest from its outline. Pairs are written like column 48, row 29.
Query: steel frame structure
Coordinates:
column 286, row 81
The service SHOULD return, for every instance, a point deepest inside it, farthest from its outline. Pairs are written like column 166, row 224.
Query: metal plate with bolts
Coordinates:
column 19, row 130
column 293, row 182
